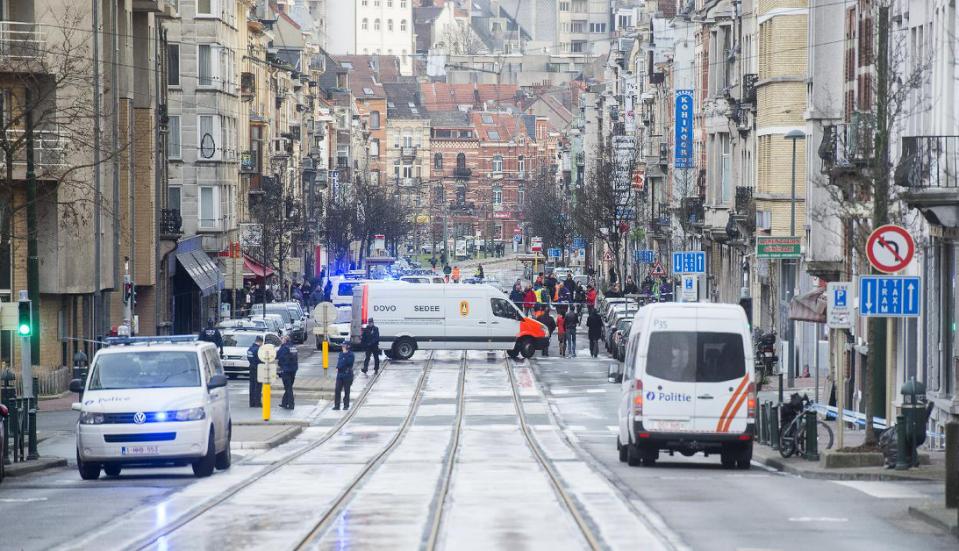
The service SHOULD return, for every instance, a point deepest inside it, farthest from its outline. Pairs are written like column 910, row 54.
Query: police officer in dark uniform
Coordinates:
column 286, row 357
column 344, row 377
column 370, row 339
column 252, row 356
column 212, row 334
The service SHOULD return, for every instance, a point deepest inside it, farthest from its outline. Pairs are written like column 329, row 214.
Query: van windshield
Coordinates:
column 141, row 369
column 694, row 357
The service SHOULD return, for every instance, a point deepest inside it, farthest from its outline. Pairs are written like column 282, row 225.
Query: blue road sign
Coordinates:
column 889, row 296
column 689, row 262
column 644, row 256
column 579, row 242
column 555, row 252
column 840, row 298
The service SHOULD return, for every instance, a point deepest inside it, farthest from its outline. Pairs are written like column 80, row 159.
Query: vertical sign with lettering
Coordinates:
column 683, row 156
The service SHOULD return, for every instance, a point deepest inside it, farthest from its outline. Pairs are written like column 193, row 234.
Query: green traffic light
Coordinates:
column 24, row 330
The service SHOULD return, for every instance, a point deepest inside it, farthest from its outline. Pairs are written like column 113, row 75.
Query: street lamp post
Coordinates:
column 793, row 135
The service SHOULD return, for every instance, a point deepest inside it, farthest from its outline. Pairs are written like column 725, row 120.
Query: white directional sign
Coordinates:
column 690, row 291
column 839, row 305
column 890, row 296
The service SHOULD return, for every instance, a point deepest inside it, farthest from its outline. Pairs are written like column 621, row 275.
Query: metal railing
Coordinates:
column 21, row 41
column 171, row 223
column 848, row 145
column 48, row 147
column 929, row 162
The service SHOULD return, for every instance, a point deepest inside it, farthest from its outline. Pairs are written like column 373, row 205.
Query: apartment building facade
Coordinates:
column 371, row 27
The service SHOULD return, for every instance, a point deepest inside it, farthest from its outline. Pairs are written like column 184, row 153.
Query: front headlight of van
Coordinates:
column 192, row 414
column 91, row 418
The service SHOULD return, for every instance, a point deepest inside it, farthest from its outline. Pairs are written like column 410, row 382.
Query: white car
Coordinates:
column 235, row 344
column 688, row 384
column 153, row 401
column 339, row 329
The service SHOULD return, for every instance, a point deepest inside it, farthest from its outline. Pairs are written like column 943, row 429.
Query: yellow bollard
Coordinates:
column 326, row 354
column 266, row 401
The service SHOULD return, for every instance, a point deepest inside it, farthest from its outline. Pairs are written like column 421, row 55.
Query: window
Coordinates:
column 493, row 135
column 407, row 171
column 578, row 46
column 521, row 195
column 208, row 207
column 407, row 141
column 764, row 220
column 375, row 177
column 389, row 3
column 365, row 3
column 578, row 27
column 497, row 195
column 497, row 163
column 173, row 138
column 460, row 160
column 374, row 120
column 522, row 165
column 145, row 369
column 376, row 24
column 365, row 25
column 503, row 308
column 487, row 119
column 204, row 65
column 597, row 27
column 173, row 198
column 438, row 161
column 564, row 6
column 173, row 64
column 403, row 3
column 688, row 356
column 375, row 147
column 205, row 7
column 403, row 28
column 389, row 25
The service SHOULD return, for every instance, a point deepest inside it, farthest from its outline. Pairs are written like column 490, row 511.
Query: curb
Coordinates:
column 783, row 466
column 924, row 515
column 33, row 466
column 290, row 433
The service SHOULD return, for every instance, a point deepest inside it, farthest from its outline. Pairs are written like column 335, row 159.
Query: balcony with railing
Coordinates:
column 408, row 153
column 929, row 170
column 22, row 46
column 848, row 147
column 48, row 150
column 462, row 172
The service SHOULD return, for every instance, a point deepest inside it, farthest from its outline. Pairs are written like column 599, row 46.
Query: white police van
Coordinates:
column 153, row 401
column 687, row 384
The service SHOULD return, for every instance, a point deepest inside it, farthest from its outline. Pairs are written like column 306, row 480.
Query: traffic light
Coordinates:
column 128, row 292
column 24, row 319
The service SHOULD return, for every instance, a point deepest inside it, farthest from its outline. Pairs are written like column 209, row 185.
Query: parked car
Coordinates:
column 153, row 401
column 619, row 338
column 236, row 341
column 292, row 324
column 3, row 440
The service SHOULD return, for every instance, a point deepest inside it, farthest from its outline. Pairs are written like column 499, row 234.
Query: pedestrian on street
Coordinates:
column 594, row 325
column 252, row 356
column 328, row 291
column 614, row 291
column 579, row 297
column 433, row 263
column 286, row 357
column 591, row 297
column 529, row 300
column 456, row 274
column 212, row 334
column 370, row 339
column 631, row 288
column 516, row 295
column 447, row 271
column 479, row 272
column 561, row 333
column 570, row 321
column 547, row 320
column 344, row 377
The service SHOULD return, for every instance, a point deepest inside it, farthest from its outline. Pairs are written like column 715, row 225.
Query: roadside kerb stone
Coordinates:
column 814, row 470
column 937, row 516
column 35, row 465
column 263, row 436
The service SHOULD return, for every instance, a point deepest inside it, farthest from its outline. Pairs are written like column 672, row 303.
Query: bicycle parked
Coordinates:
column 792, row 439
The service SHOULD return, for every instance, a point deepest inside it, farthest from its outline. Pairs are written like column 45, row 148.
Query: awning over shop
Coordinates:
column 809, row 306
column 202, row 270
column 251, row 266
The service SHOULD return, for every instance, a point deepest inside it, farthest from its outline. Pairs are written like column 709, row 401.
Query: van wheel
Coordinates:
column 622, row 451
column 633, row 455
column 112, row 469
column 389, row 354
column 526, row 347
column 404, row 348
column 204, row 466
column 225, row 457
column 744, row 461
column 728, row 458
column 512, row 353
column 88, row 470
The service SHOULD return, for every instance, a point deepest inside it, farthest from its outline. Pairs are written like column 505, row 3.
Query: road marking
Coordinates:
column 577, row 428
column 818, row 519
column 559, row 391
column 596, row 390
column 612, row 428
column 21, row 499
column 882, row 490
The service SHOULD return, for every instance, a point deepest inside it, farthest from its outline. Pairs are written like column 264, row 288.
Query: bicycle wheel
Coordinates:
column 824, row 436
column 787, row 441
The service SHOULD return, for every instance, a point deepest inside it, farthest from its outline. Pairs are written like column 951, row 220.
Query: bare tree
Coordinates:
column 460, row 40
column 546, row 211
column 280, row 221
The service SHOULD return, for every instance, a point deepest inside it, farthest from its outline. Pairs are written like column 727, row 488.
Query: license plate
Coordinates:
column 672, row 425
column 139, row 450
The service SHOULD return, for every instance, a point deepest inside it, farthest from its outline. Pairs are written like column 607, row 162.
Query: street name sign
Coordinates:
column 778, row 247
column 888, row 296
column 839, row 305
column 689, row 262
column 554, row 252
column 890, row 248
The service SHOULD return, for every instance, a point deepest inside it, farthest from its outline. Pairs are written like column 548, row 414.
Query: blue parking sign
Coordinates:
column 840, row 297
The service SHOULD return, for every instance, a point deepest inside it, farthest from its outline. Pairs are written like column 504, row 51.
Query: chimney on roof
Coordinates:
column 477, row 104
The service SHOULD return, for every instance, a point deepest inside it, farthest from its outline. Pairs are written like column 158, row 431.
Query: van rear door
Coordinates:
column 722, row 382
column 669, row 378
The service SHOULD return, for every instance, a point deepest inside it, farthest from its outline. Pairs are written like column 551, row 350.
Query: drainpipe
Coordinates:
column 97, row 198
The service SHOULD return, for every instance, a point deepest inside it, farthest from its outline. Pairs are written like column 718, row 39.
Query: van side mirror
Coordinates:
column 76, row 386
column 216, row 381
column 613, row 374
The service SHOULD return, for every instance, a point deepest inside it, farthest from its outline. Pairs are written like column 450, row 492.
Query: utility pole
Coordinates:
column 33, row 255
column 874, row 385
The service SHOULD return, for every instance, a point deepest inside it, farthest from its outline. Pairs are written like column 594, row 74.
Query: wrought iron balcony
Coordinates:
column 462, row 172
column 846, row 147
column 749, row 88
column 408, row 153
column 929, row 162
column 21, row 44
column 170, row 224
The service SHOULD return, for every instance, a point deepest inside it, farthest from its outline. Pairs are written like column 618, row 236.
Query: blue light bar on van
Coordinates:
column 168, row 339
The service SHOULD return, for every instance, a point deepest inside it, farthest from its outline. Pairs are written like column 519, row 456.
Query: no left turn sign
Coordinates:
column 890, row 248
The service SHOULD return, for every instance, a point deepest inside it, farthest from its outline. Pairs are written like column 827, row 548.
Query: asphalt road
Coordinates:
column 712, row 508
